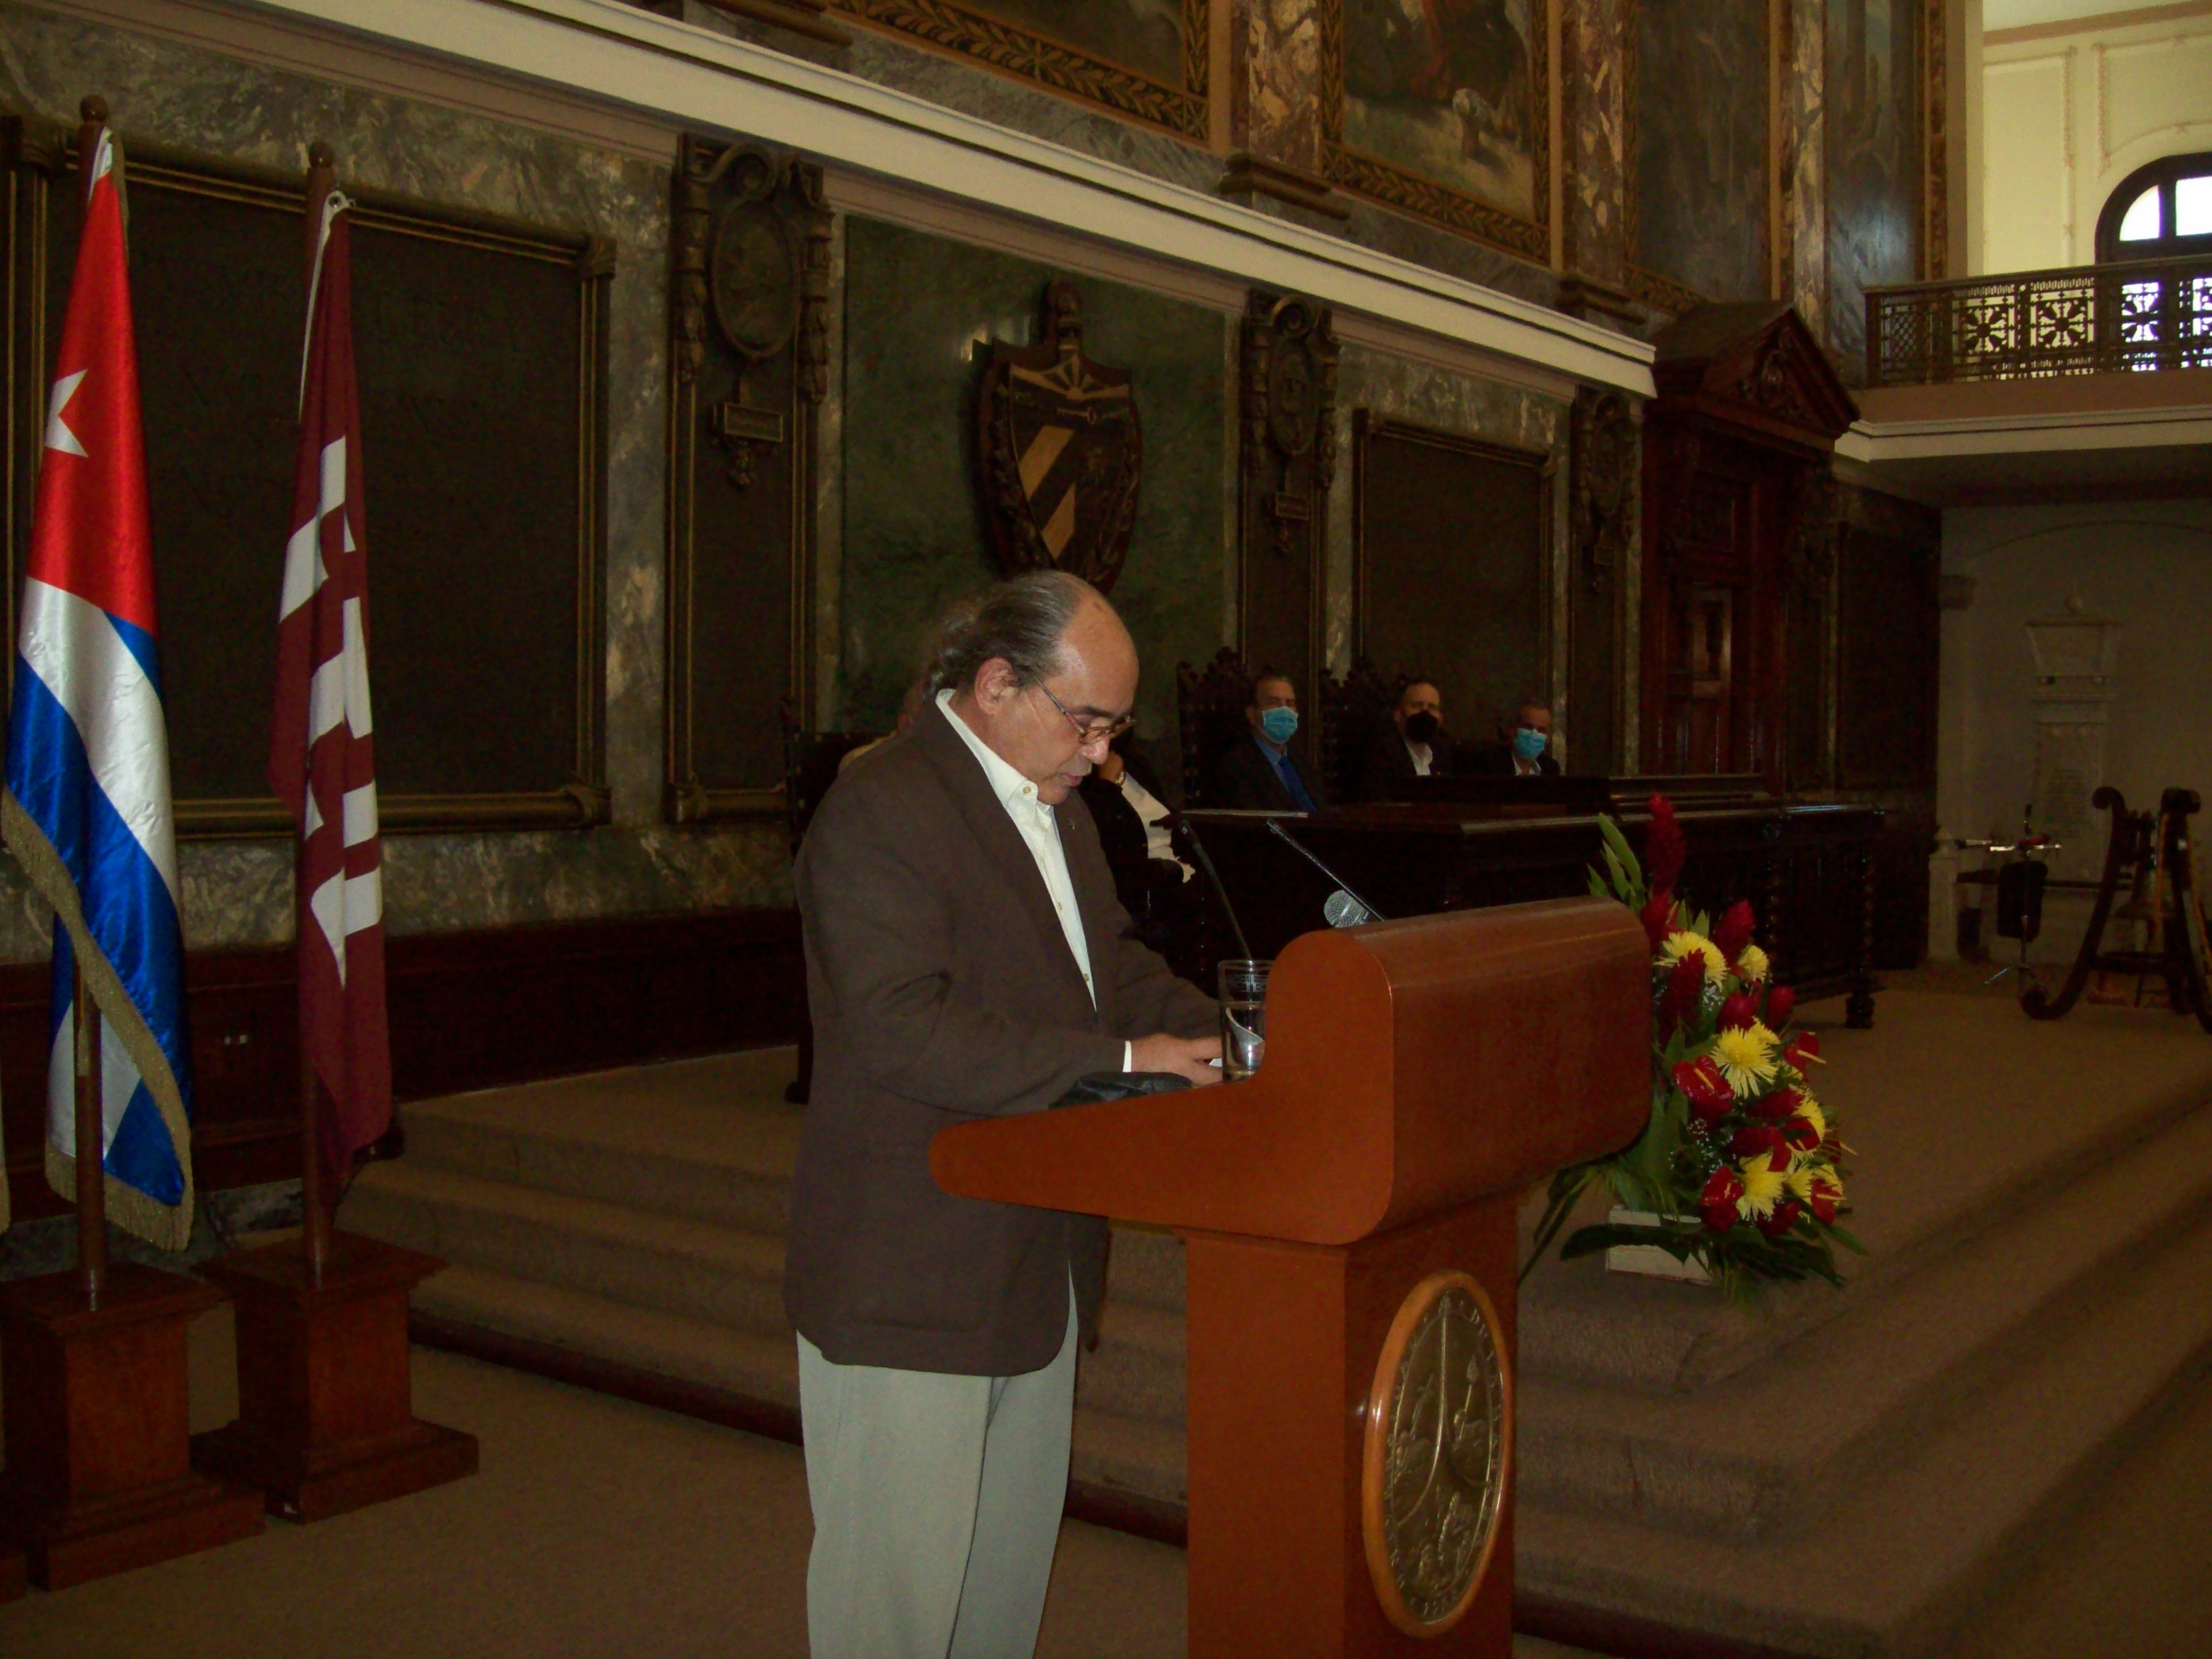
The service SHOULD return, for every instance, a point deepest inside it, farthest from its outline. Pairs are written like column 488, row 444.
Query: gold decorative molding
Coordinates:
column 1662, row 292
column 1063, row 68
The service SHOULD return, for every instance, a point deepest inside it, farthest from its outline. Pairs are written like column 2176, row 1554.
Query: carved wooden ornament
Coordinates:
column 1061, row 452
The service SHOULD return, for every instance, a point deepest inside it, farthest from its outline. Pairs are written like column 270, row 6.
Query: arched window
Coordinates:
column 2158, row 212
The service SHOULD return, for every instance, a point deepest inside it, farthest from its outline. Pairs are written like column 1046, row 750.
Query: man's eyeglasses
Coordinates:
column 1098, row 731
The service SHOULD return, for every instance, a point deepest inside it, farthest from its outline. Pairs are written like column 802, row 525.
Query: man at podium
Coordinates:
column 965, row 959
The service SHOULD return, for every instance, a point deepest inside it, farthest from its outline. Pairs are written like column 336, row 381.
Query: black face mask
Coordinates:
column 1422, row 727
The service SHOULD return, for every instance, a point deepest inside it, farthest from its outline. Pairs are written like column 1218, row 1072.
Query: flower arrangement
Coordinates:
column 1739, row 1161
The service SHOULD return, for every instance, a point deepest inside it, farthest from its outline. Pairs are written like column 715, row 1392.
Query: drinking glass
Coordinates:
column 1244, row 1017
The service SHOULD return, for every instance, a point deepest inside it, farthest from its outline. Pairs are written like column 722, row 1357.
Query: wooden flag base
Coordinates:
column 100, row 1477
column 326, row 1419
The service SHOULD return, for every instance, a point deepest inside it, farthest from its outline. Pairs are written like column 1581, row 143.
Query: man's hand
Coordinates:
column 1187, row 1057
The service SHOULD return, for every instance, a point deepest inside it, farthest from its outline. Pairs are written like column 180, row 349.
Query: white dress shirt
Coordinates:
column 1423, row 757
column 1040, row 833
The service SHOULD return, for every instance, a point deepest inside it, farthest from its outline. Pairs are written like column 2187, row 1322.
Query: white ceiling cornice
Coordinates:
column 695, row 77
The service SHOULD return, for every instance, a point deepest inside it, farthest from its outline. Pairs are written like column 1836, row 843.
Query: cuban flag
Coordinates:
column 87, row 808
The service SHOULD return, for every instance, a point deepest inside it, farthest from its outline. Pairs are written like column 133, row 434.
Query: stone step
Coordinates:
column 1129, row 1453
column 710, row 1138
column 2004, row 1115
column 1898, row 1566
column 668, row 1263
column 1859, row 1388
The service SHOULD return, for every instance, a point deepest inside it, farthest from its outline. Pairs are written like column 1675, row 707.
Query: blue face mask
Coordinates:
column 1279, row 725
column 1529, row 742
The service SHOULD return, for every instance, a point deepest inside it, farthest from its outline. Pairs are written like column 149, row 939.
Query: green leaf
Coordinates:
column 1617, row 847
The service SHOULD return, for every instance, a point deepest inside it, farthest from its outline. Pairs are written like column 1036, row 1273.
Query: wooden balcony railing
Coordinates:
column 2086, row 319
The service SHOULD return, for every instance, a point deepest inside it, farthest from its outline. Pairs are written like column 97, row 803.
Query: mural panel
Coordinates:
column 1439, row 106
column 1697, row 94
column 1142, row 58
column 1874, row 151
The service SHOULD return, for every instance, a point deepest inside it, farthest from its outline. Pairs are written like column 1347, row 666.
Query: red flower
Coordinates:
column 1709, row 1092
column 1733, row 930
column 1781, row 1218
column 1827, row 1198
column 1781, row 1003
column 1779, row 1106
column 1658, row 917
column 1686, row 988
column 1800, row 1134
column 1662, row 846
column 1718, row 1202
column 1738, row 1011
column 1757, row 1139
column 1805, row 1045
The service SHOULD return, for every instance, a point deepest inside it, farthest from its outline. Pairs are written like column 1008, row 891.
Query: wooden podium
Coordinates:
column 1349, row 1217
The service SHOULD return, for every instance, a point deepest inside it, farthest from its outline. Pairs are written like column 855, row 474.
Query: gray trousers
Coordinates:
column 937, row 1502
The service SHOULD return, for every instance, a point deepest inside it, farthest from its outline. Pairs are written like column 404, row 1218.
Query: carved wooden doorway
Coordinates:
column 1736, row 448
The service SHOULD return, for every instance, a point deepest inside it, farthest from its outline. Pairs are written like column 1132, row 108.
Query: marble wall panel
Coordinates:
column 1275, row 80
column 1593, row 62
column 1874, row 130
column 174, row 95
column 919, row 312
column 1805, row 163
column 1701, row 144
column 1400, row 389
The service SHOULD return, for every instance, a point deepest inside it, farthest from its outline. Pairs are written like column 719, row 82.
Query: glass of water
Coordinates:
column 1244, row 1017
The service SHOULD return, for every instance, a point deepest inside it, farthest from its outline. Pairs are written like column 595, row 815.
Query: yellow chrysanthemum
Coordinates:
column 1682, row 941
column 1748, row 1056
column 1752, row 966
column 1762, row 1187
column 1809, row 1109
column 1803, row 1172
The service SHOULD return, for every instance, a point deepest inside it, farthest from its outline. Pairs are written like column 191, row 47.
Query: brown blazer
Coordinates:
column 942, row 989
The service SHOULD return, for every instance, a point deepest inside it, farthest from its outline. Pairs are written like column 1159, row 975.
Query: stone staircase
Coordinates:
column 637, row 1217
column 1848, row 1475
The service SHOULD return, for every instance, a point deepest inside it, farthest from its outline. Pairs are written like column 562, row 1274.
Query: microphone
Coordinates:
column 1353, row 909
column 1340, row 910
column 1220, row 888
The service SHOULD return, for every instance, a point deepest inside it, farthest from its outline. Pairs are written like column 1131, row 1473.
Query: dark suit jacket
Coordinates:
column 942, row 989
column 1245, row 778
column 1389, row 763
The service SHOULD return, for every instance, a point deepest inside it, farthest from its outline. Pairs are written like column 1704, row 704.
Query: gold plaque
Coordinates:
column 1439, row 1453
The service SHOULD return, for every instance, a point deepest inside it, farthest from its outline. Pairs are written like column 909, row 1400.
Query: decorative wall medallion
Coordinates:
column 1604, row 475
column 1289, row 461
column 754, row 276
column 1061, row 451
column 1438, row 1454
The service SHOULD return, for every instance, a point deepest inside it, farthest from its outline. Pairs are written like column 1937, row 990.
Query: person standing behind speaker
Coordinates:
column 1413, row 744
column 965, row 959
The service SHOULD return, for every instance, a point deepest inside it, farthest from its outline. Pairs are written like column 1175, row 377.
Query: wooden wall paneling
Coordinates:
column 1287, row 467
column 1451, row 566
column 1603, row 471
column 1809, row 636
column 748, row 331
column 486, row 589
column 469, row 1011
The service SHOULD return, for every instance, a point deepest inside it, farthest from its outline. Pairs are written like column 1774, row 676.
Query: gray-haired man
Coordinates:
column 966, row 958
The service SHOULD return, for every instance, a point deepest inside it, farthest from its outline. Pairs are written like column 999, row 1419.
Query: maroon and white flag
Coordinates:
column 321, row 762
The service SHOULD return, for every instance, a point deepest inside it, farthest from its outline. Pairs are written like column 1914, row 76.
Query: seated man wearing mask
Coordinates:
column 1415, row 744
column 1263, row 774
column 1530, row 755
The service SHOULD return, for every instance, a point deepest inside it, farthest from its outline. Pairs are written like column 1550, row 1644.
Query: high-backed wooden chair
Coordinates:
column 1352, row 711
column 809, row 767
column 1211, row 703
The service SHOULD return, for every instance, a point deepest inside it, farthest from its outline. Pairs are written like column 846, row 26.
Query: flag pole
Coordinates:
column 91, row 1127
column 91, row 1143
column 314, row 1214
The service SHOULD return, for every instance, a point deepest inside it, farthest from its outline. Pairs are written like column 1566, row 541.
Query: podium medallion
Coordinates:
column 1438, row 1454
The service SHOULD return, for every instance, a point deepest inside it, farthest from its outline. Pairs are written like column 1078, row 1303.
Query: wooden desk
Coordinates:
column 1807, row 869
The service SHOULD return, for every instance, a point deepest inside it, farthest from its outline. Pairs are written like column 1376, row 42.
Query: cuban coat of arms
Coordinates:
column 1061, row 450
